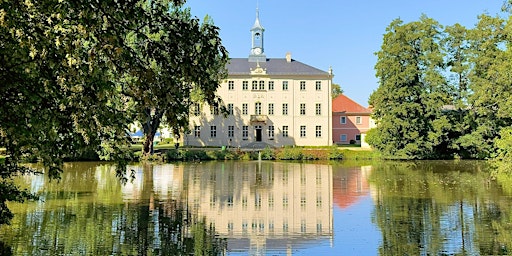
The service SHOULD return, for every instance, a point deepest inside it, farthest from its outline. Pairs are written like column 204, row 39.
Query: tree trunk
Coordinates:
column 150, row 128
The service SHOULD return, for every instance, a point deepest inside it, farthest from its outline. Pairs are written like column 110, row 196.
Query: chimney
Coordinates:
column 288, row 57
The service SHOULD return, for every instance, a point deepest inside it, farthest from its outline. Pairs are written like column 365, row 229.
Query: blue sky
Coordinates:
column 341, row 34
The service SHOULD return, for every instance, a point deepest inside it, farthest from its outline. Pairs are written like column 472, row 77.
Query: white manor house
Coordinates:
column 271, row 101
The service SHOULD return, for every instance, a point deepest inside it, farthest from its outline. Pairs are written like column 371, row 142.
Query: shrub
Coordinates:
column 289, row 153
column 195, row 155
column 268, row 154
column 335, row 153
column 174, row 155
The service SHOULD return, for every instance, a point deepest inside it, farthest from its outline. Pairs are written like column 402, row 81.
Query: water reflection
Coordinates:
column 263, row 206
column 258, row 208
column 203, row 208
column 442, row 208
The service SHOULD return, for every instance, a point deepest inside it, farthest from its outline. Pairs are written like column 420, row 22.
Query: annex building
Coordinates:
column 271, row 101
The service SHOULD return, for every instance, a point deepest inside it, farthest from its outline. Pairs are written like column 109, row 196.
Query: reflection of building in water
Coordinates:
column 262, row 205
column 165, row 183
column 350, row 184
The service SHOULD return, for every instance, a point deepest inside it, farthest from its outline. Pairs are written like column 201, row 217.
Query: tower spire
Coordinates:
column 257, row 49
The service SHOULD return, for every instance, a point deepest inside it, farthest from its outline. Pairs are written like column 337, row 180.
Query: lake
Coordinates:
column 265, row 208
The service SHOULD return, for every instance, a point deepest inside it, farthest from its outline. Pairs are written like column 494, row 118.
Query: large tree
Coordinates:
column 179, row 58
column 412, row 91
column 69, row 69
column 489, row 104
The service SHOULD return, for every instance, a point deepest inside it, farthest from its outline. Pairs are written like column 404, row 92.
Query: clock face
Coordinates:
column 257, row 50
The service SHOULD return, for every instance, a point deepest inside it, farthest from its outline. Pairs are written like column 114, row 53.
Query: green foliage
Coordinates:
column 268, row 154
column 75, row 74
column 442, row 94
column 336, row 90
column 412, row 89
column 289, row 153
column 335, row 153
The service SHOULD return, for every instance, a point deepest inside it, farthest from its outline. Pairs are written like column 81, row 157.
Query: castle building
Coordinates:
column 271, row 102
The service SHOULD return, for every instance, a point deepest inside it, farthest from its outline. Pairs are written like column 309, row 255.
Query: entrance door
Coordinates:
column 258, row 132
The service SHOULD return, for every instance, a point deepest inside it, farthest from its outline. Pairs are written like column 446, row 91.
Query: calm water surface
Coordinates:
column 265, row 208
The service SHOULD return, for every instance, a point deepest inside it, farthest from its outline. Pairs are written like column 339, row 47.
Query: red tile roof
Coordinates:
column 343, row 103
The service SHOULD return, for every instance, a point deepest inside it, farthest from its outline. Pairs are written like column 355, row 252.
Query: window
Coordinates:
column 358, row 137
column 214, row 110
column 318, row 109
column 197, row 131
column 285, row 85
column 270, row 85
column 262, row 85
column 302, row 131
column 285, row 131
column 303, row 109
column 231, row 131
column 318, row 131
column 285, row 109
column 318, row 85
column 245, row 109
column 343, row 119
column 359, row 120
column 230, row 108
column 303, row 201
column 257, row 108
column 270, row 108
column 197, row 109
column 245, row 132
column 213, row 131
column 254, row 85
column 271, row 132
column 245, row 85
column 231, row 85
column 302, row 85
column 343, row 137
column 285, row 201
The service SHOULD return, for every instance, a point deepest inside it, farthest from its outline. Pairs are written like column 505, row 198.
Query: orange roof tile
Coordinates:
column 343, row 103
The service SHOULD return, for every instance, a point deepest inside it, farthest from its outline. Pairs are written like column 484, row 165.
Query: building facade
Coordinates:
column 350, row 121
column 271, row 101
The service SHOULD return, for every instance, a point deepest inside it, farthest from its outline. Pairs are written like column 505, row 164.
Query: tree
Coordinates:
column 336, row 90
column 180, row 58
column 68, row 68
column 491, row 87
column 412, row 91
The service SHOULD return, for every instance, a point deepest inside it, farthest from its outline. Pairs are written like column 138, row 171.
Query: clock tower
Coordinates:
column 257, row 53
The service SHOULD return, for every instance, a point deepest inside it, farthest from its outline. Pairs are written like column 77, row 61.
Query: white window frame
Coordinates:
column 245, row 132
column 303, row 131
column 230, row 108
column 271, row 109
column 245, row 109
column 213, row 131
column 197, row 131
column 343, row 120
column 285, row 131
column 285, row 85
column 231, row 131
